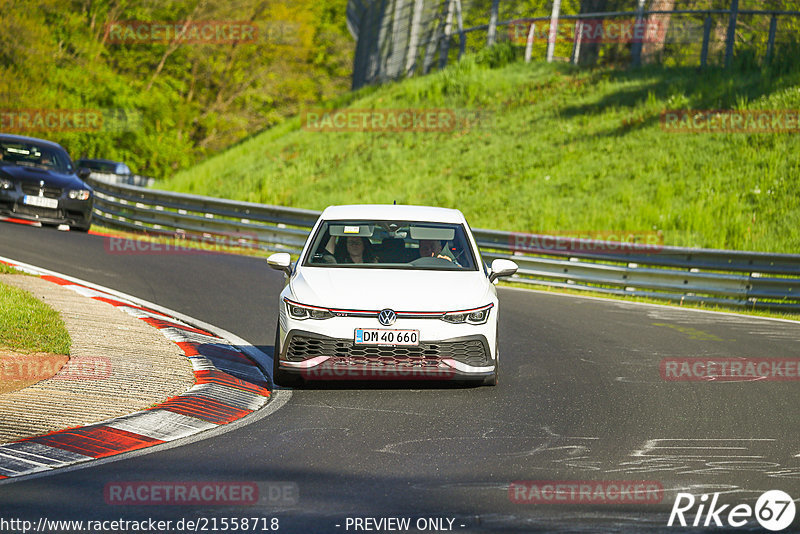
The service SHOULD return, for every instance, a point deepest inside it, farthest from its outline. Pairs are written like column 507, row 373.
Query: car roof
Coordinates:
column 22, row 138
column 397, row 212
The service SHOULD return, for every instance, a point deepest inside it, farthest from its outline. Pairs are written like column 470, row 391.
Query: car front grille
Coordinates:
column 49, row 192
column 36, row 211
column 469, row 351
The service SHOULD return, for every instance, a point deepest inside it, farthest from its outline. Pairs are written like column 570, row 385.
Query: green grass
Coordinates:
column 29, row 325
column 7, row 269
column 559, row 149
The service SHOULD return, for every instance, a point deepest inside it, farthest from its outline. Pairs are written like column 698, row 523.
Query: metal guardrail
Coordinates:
column 752, row 280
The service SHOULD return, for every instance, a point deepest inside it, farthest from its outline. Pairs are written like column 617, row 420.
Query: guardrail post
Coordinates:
column 462, row 37
column 493, row 23
column 529, row 42
column 731, row 33
column 413, row 40
column 706, row 39
column 576, row 46
column 773, row 28
column 636, row 47
column 553, row 34
column 394, row 62
column 444, row 50
column 433, row 42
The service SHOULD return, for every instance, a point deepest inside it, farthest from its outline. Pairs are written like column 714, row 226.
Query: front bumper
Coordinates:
column 69, row 211
column 314, row 356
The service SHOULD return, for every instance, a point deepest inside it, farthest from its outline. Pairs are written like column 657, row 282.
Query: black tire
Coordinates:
column 83, row 229
column 492, row 379
column 281, row 378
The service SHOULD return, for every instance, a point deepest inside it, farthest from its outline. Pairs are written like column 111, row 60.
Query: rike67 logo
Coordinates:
column 774, row 511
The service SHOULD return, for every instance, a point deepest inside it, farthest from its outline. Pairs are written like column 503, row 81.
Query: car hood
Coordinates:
column 34, row 175
column 398, row 289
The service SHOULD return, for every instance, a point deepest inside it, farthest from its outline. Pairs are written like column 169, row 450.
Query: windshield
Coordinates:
column 391, row 244
column 33, row 155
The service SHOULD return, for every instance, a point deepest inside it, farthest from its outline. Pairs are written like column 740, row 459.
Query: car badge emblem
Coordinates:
column 387, row 317
column 41, row 188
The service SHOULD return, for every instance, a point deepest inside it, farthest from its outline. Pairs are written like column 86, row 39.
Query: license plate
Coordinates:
column 42, row 202
column 377, row 336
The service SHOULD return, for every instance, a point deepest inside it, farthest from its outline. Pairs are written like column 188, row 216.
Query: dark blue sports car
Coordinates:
column 39, row 182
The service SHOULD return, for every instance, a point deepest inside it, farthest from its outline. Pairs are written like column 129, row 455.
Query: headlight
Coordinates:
column 473, row 316
column 303, row 311
column 6, row 184
column 80, row 194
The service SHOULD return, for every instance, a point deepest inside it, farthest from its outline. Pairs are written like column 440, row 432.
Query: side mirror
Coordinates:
column 83, row 173
column 502, row 268
column 281, row 261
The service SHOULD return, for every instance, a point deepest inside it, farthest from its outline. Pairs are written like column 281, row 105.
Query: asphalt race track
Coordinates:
column 580, row 398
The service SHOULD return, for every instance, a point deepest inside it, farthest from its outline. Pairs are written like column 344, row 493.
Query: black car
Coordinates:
column 39, row 182
column 105, row 166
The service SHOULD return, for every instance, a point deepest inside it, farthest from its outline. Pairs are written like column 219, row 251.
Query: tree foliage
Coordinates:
column 167, row 104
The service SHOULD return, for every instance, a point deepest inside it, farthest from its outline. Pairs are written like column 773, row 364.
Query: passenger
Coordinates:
column 354, row 250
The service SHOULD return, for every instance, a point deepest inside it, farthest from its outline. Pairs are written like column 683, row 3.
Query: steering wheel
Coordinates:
column 432, row 262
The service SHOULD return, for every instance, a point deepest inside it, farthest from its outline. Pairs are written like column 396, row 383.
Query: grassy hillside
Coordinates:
column 553, row 149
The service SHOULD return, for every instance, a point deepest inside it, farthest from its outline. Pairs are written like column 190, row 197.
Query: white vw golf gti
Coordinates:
column 388, row 292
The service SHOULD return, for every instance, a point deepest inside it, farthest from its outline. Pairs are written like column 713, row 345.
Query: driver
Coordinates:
column 432, row 248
